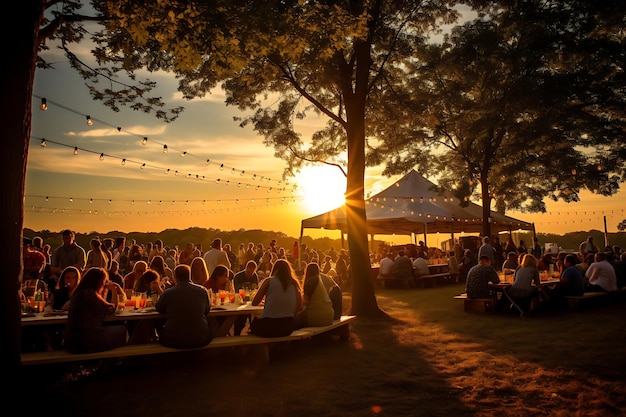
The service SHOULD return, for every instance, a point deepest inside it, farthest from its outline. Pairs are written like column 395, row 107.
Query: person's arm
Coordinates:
column 298, row 302
column 261, row 292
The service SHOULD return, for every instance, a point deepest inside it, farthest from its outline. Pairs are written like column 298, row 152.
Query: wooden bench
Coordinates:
column 475, row 305
column 391, row 282
column 339, row 327
column 430, row 280
column 576, row 301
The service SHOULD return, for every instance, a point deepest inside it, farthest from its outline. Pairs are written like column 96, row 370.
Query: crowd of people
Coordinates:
column 298, row 287
column 587, row 270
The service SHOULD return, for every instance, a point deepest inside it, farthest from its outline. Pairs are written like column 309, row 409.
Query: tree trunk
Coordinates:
column 15, row 113
column 364, row 302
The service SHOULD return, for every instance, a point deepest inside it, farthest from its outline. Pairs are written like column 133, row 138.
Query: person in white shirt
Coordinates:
column 601, row 274
column 216, row 256
column 420, row 265
column 386, row 265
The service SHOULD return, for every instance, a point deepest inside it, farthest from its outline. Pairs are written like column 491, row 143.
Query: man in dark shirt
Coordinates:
column 187, row 308
column 479, row 277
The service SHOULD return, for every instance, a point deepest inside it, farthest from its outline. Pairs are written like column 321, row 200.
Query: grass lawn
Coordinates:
column 436, row 360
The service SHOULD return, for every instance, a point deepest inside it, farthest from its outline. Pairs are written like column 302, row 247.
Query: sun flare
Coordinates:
column 322, row 188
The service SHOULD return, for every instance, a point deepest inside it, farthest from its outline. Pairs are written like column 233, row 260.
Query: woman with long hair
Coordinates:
column 219, row 280
column 283, row 301
column 317, row 307
column 64, row 288
column 85, row 331
column 199, row 271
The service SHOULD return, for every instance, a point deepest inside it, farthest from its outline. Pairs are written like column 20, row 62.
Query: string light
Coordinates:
column 89, row 121
column 44, row 104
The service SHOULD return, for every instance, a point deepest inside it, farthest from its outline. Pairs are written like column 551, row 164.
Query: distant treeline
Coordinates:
column 180, row 238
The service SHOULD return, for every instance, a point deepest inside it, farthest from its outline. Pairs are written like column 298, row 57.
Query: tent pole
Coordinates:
column 300, row 246
column 426, row 234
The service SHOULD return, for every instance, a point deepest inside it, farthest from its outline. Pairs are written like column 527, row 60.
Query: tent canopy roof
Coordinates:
column 412, row 205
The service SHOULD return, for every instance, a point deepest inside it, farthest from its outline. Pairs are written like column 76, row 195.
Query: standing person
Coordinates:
column 96, row 257
column 587, row 247
column 216, row 256
column 283, row 301
column 68, row 254
column 317, row 307
column 478, row 278
column 487, row 249
column 453, row 266
column 536, row 250
column 85, row 330
column 187, row 308
column 186, row 255
column 241, row 255
column 232, row 257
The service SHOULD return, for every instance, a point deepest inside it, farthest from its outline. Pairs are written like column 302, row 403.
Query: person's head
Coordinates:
column 227, row 247
column 484, row 259
column 150, row 275
column 217, row 243
column 199, row 270
column 486, row 239
column 93, row 279
column 69, row 278
column 589, row 239
column 401, row 252
column 570, row 260
column 37, row 242
column 284, row 271
column 158, row 263
column 529, row 261
column 391, row 254
column 312, row 270
column 220, row 275
column 512, row 256
column 68, row 237
column 95, row 244
column 182, row 273
column 251, row 267
column 140, row 267
column 600, row 256
column 120, row 242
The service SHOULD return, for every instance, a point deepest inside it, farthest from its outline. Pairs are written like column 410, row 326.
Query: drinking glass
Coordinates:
column 222, row 295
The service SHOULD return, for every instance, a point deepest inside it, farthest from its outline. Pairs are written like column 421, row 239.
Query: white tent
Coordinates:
column 411, row 206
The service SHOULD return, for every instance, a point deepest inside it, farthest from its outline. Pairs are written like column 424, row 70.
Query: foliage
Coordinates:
column 524, row 103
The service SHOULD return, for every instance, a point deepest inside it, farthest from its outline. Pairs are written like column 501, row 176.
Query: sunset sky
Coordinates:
column 89, row 192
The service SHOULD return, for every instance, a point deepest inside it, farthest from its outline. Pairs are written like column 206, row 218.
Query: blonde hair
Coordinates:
column 529, row 260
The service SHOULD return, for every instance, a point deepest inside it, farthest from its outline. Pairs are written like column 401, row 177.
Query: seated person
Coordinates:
column 402, row 266
column 247, row 277
column 386, row 265
column 219, row 280
column 85, row 331
column 510, row 265
column 478, row 278
column 601, row 274
column 317, row 307
column 334, row 293
column 572, row 281
column 522, row 289
column 420, row 265
column 187, row 307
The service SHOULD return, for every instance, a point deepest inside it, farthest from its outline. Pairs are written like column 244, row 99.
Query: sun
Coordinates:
column 322, row 188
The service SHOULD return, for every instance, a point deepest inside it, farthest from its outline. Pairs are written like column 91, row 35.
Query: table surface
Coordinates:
column 57, row 317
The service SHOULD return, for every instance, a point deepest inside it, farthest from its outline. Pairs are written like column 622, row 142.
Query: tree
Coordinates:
column 523, row 104
column 284, row 60
column 37, row 21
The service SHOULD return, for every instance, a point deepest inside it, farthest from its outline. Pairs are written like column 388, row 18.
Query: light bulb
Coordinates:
column 123, row 161
column 164, row 148
column 89, row 121
column 144, row 140
column 44, row 104
column 183, row 153
column 119, row 129
column 222, row 167
column 143, row 165
column 75, row 150
column 43, row 143
column 102, row 157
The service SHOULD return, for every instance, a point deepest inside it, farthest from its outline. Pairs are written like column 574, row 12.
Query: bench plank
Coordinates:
column 475, row 305
column 59, row 356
